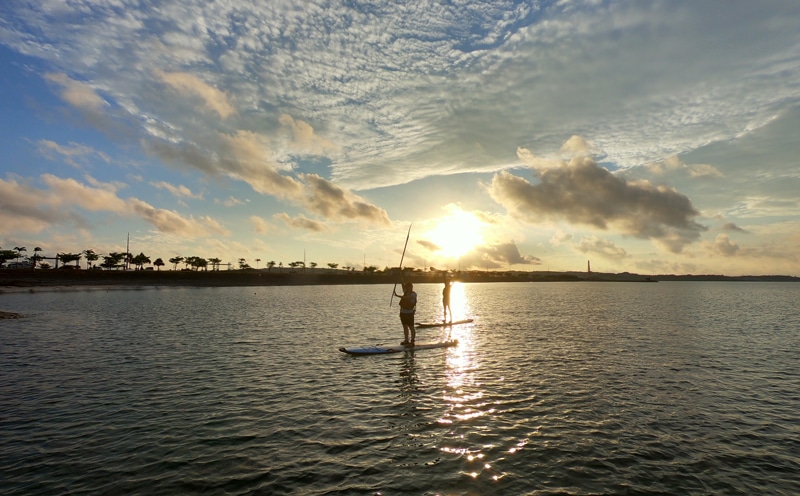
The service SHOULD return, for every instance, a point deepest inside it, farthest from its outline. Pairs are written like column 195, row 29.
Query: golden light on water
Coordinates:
column 467, row 410
column 459, row 303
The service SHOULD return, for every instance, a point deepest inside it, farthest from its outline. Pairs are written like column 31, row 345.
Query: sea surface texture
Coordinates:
column 555, row 389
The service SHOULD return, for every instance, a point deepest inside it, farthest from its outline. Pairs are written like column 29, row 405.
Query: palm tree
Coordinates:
column 91, row 257
column 191, row 262
column 139, row 260
column 175, row 261
column 36, row 257
column 270, row 265
column 158, row 263
column 19, row 249
column 215, row 263
column 112, row 261
column 257, row 260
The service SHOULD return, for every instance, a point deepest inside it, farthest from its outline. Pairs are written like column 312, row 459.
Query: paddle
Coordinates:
column 401, row 264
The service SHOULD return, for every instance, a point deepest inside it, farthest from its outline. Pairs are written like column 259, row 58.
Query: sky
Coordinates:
column 655, row 137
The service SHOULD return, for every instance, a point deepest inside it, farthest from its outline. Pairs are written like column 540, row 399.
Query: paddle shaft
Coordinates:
column 401, row 264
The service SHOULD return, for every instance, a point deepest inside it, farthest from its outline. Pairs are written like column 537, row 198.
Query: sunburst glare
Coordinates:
column 457, row 234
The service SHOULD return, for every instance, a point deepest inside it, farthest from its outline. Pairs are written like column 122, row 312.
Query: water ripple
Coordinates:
column 554, row 389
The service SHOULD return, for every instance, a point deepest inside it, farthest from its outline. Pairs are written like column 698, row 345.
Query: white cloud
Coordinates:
column 179, row 191
column 74, row 154
column 260, row 225
column 212, row 98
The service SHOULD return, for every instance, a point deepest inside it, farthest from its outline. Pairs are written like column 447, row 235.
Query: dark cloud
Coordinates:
column 497, row 256
column 582, row 192
column 245, row 156
column 730, row 226
column 429, row 245
column 332, row 202
column 601, row 247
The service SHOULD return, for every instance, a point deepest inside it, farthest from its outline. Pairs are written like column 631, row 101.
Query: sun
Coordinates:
column 457, row 234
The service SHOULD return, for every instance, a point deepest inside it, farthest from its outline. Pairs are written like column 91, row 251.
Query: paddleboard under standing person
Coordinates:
column 408, row 306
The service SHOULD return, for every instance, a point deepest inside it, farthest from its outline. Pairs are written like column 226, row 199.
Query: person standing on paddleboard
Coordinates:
column 446, row 298
column 408, row 305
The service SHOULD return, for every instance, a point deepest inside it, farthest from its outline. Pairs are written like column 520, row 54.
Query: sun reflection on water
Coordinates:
column 465, row 398
column 459, row 303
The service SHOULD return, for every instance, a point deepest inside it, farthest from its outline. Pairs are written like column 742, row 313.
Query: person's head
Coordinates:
column 408, row 287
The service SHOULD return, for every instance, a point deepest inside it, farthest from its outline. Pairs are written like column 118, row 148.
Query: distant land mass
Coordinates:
column 53, row 279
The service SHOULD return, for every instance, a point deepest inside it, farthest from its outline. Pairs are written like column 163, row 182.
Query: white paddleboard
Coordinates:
column 443, row 324
column 380, row 350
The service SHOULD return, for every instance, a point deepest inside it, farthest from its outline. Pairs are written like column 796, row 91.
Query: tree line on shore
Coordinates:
column 124, row 261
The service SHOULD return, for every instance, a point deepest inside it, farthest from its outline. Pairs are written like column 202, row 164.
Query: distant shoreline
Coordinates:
column 55, row 279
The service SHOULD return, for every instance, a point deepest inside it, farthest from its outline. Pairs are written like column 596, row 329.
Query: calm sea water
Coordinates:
column 556, row 388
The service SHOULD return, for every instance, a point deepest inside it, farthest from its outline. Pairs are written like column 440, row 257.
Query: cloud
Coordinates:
column 491, row 256
column 602, row 247
column 27, row 209
column 576, row 146
column 79, row 95
column 332, row 202
column 246, row 156
column 229, row 202
column 177, row 191
column 730, row 226
column 169, row 221
column 560, row 237
column 212, row 98
column 304, row 140
column 301, row 223
column 581, row 192
column 71, row 153
column 674, row 164
column 400, row 88
column 260, row 226
column 249, row 160
column 62, row 200
column 94, row 109
column 507, row 253
column 102, row 198
column 429, row 245
column 722, row 245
